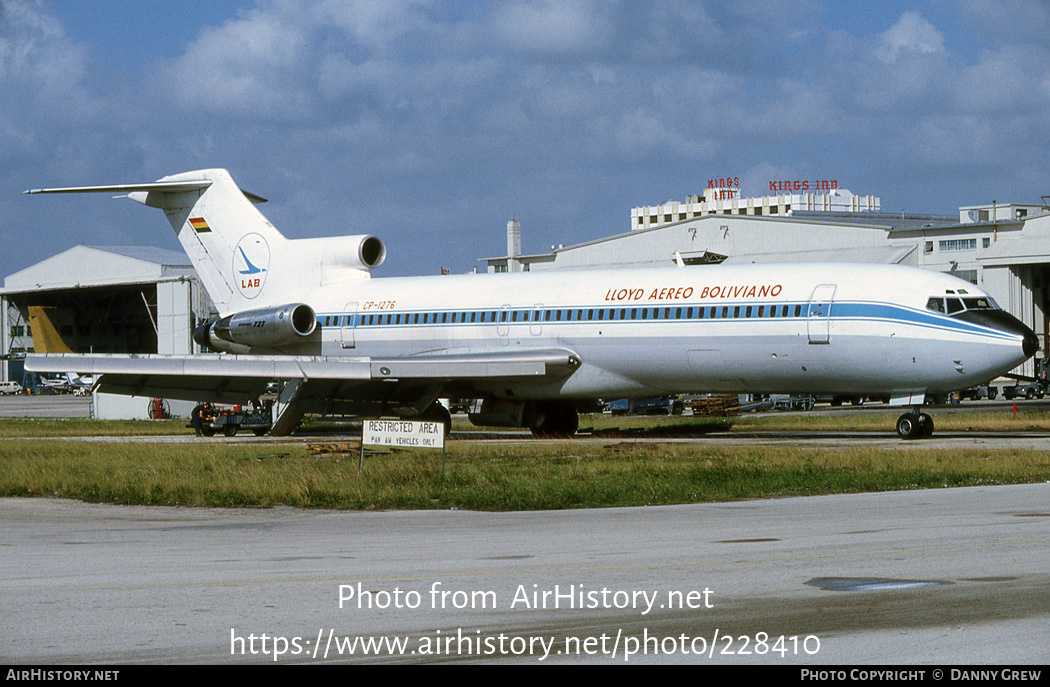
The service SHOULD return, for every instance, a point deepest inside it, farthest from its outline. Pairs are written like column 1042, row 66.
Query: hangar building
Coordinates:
column 103, row 299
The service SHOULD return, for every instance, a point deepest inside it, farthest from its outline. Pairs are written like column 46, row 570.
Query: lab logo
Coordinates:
column 251, row 261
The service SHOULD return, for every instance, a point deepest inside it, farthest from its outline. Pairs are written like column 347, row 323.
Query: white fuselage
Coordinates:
column 771, row 328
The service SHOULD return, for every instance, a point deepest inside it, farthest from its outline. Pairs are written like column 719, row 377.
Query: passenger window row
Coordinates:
column 533, row 315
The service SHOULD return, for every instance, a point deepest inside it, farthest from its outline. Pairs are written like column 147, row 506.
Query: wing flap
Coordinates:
column 234, row 390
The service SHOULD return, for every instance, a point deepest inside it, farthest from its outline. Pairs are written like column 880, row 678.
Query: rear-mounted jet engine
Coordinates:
column 265, row 328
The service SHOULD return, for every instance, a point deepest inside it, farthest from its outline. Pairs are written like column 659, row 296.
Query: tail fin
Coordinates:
column 46, row 338
column 242, row 260
column 228, row 241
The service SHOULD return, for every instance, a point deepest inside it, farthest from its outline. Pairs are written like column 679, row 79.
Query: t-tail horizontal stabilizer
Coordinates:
column 244, row 262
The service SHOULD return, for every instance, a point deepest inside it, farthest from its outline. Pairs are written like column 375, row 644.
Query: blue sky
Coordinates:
column 430, row 124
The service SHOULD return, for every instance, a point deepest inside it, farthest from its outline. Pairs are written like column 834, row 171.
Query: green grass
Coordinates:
column 502, row 476
column 496, row 477
column 81, row 427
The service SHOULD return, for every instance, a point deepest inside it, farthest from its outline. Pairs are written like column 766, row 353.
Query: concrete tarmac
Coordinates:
column 953, row 576
column 46, row 406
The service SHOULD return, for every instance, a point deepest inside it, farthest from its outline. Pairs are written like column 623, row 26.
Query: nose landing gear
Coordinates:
column 914, row 425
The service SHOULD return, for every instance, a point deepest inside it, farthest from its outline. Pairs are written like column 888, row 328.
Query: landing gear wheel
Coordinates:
column 925, row 426
column 908, row 426
column 555, row 419
column 914, row 425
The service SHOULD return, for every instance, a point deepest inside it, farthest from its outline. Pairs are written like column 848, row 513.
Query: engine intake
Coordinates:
column 267, row 327
column 371, row 252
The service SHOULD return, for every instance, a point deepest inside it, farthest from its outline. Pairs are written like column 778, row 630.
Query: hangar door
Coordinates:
column 819, row 317
column 110, row 319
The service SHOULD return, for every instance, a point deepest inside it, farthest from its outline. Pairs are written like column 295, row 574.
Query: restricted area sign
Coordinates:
column 403, row 434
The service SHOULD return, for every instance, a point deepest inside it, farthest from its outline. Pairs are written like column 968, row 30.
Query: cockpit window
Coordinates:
column 952, row 305
column 980, row 304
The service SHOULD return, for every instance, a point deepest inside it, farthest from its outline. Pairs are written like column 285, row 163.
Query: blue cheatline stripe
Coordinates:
column 892, row 312
column 855, row 311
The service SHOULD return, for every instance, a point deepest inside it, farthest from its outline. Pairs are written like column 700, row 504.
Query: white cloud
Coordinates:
column 375, row 24
column 552, row 28
column 251, row 65
column 35, row 50
column 911, row 34
column 1007, row 79
column 640, row 133
column 459, row 110
column 1008, row 20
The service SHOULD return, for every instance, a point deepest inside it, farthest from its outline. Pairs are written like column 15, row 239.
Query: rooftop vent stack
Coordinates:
column 513, row 245
column 513, row 238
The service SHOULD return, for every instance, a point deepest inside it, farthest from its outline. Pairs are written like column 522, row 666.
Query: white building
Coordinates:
column 726, row 200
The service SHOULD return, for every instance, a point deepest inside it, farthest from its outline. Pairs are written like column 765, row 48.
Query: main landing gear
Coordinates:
column 438, row 413
column 555, row 420
column 914, row 424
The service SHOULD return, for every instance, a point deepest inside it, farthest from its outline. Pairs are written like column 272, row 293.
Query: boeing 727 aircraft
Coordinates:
column 534, row 346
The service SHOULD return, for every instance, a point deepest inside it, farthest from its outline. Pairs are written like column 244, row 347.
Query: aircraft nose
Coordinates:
column 1029, row 341
column 1030, row 344
column 1004, row 321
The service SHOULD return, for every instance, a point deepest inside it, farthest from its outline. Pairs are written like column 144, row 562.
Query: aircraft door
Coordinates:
column 348, row 324
column 819, row 314
column 536, row 321
column 503, row 325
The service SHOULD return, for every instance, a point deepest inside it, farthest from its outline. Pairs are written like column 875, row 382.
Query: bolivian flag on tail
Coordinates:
column 199, row 225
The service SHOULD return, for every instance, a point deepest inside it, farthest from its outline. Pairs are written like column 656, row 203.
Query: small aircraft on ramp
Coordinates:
column 69, row 381
column 536, row 345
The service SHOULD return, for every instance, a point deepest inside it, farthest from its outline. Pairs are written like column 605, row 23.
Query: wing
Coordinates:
column 241, row 378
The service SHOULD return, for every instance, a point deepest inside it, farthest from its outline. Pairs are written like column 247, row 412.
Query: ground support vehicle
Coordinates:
column 789, row 402
column 1031, row 388
column 979, row 393
column 10, row 388
column 660, row 405
column 229, row 422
